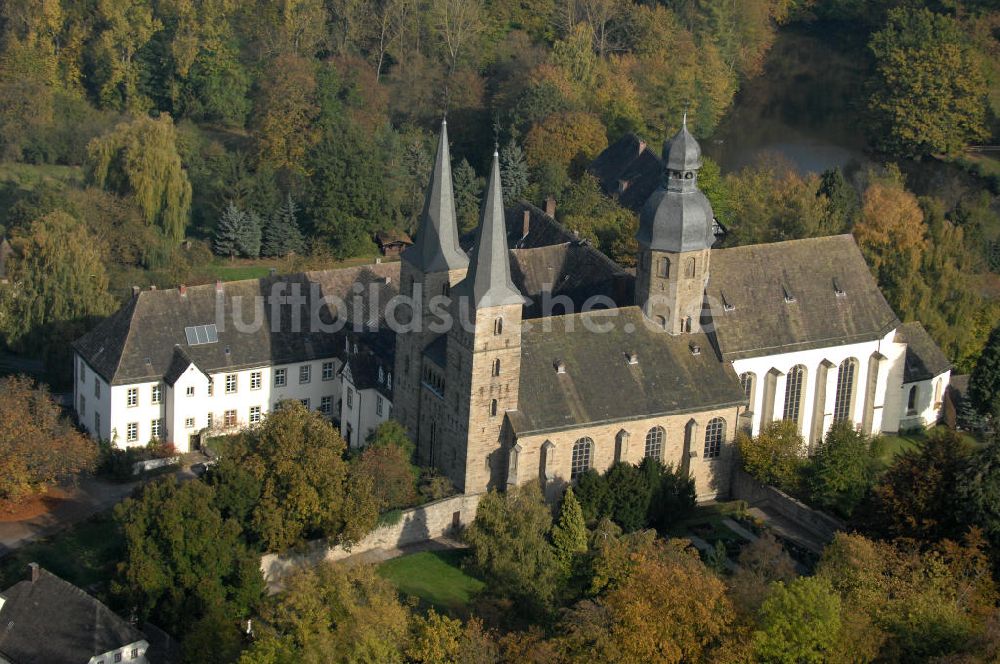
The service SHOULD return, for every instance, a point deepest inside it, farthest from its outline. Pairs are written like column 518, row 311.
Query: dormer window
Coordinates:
column 789, row 297
column 632, row 357
column 560, row 367
column 838, row 291
column 726, row 304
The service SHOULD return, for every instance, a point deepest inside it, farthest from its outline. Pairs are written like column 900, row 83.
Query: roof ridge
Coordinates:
column 801, row 240
column 570, row 233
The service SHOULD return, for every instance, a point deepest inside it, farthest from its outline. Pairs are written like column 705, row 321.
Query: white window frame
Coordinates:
column 280, row 377
column 188, row 422
column 256, row 380
column 305, row 374
column 132, row 432
column 255, row 414
column 132, row 397
column 232, row 383
column 328, row 371
column 156, row 395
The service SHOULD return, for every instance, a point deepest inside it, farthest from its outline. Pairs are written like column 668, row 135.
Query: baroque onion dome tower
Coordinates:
column 484, row 352
column 675, row 238
column 431, row 266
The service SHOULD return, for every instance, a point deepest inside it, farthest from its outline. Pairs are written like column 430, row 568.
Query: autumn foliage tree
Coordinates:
column 38, row 445
column 295, row 482
column 386, row 462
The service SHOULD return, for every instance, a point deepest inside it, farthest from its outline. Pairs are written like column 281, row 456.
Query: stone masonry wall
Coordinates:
column 418, row 524
column 744, row 487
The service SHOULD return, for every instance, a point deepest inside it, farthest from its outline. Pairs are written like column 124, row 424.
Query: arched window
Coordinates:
column 689, row 268
column 654, row 443
column 793, row 392
column 911, row 401
column 662, row 321
column 715, row 433
column 498, row 326
column 845, row 389
column 664, row 267
column 747, row 382
column 496, row 367
column 687, row 324
column 582, row 452
column 493, row 408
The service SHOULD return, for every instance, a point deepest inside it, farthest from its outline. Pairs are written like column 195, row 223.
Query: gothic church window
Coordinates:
column 715, row 433
column 747, row 382
column 580, row 462
column 911, row 401
column 793, row 393
column 662, row 320
column 654, row 443
column 845, row 390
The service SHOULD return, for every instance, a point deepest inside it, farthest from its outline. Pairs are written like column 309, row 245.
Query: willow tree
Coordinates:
column 59, row 283
column 140, row 159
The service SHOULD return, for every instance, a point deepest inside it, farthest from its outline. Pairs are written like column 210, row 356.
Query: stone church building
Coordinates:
column 668, row 363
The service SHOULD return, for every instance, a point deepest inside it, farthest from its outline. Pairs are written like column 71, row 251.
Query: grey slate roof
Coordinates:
column 678, row 217
column 364, row 367
column 628, row 171
column 682, row 152
column 52, row 621
column 573, row 270
column 436, row 246
column 924, row 360
column 488, row 283
column 599, row 385
column 137, row 343
column 754, row 280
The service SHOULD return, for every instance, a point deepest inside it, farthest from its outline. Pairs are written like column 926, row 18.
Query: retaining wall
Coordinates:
column 744, row 487
column 418, row 524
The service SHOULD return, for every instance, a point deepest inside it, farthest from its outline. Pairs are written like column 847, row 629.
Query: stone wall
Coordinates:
column 744, row 487
column 418, row 524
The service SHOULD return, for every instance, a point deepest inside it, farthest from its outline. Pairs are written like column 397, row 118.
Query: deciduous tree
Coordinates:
column 38, row 445
column 799, row 623
column 775, row 455
column 140, row 159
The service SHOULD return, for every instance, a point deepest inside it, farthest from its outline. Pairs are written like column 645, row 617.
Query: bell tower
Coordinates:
column 676, row 233
column 429, row 267
column 484, row 352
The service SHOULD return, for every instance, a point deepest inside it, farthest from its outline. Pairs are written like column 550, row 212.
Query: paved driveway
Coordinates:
column 89, row 497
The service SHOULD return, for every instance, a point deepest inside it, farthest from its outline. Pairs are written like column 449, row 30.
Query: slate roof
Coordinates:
column 52, row 621
column 137, row 343
column 628, row 171
column 571, row 270
column 487, row 282
column 682, row 152
column 599, row 385
column 436, row 247
column 754, row 281
column 364, row 367
column 924, row 360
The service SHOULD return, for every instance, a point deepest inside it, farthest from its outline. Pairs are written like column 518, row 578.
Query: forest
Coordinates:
column 158, row 142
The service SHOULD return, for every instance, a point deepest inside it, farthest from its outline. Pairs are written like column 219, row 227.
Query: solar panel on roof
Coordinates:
column 201, row 334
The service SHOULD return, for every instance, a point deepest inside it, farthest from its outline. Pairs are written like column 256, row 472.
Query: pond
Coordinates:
column 800, row 107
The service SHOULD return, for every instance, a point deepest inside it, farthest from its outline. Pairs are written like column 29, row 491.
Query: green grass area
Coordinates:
column 435, row 578
column 233, row 270
column 894, row 444
column 84, row 554
column 30, row 176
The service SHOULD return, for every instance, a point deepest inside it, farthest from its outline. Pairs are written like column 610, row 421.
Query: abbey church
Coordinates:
column 555, row 360
column 669, row 362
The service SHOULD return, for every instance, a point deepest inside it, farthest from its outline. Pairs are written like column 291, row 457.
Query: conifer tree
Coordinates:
column 281, row 234
column 513, row 172
column 227, row 231
column 468, row 189
column 984, row 384
column 569, row 535
column 249, row 235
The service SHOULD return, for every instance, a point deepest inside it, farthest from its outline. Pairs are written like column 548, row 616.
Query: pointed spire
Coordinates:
column 436, row 246
column 488, row 281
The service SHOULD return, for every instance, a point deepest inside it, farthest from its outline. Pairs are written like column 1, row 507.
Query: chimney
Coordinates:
column 550, row 206
column 218, row 287
column 135, row 291
column 183, row 290
column 526, row 223
column 33, row 572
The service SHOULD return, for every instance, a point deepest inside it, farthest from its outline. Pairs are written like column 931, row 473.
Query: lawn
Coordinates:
column 893, row 444
column 228, row 269
column 84, row 554
column 435, row 578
